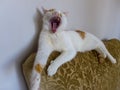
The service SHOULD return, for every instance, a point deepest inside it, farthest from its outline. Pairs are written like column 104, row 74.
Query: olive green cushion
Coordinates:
column 84, row 72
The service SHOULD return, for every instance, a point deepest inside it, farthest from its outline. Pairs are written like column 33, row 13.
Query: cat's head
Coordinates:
column 54, row 20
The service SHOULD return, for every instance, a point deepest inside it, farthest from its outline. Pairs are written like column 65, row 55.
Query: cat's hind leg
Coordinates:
column 101, row 55
column 104, row 52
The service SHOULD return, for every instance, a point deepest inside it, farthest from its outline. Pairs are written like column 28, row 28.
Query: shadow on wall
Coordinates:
column 17, row 59
column 38, row 27
column 32, row 46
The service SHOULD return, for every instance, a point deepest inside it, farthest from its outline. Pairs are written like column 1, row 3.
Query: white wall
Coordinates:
column 18, row 30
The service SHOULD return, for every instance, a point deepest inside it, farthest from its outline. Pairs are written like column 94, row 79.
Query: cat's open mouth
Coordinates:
column 55, row 23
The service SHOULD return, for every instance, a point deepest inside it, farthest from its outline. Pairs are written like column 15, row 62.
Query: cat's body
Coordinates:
column 55, row 37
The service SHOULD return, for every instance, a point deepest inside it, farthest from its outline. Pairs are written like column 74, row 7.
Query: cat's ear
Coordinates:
column 43, row 10
column 66, row 13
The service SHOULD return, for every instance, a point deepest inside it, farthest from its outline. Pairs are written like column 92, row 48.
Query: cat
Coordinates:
column 55, row 37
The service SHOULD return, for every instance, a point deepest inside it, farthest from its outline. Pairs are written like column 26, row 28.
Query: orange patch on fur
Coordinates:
column 82, row 34
column 51, row 10
column 38, row 68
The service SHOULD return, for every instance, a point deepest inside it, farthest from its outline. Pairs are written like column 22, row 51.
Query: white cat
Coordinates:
column 55, row 37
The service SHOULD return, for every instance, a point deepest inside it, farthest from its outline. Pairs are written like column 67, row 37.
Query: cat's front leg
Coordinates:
column 39, row 63
column 63, row 58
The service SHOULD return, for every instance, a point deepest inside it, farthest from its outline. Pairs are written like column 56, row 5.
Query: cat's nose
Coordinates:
column 56, row 14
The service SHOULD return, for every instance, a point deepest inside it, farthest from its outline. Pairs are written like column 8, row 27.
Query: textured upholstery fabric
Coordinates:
column 84, row 72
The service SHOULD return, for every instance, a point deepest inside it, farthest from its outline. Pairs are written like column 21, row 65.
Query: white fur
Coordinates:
column 66, row 42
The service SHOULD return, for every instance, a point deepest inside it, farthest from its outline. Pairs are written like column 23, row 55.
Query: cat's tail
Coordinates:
column 105, row 51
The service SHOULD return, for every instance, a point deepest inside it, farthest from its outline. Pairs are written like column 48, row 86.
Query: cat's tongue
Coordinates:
column 55, row 22
column 54, row 27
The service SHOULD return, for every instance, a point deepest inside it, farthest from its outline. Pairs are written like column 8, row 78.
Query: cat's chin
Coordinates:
column 55, row 23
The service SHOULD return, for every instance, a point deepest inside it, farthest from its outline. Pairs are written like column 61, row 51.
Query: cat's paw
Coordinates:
column 52, row 69
column 114, row 61
column 34, row 81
